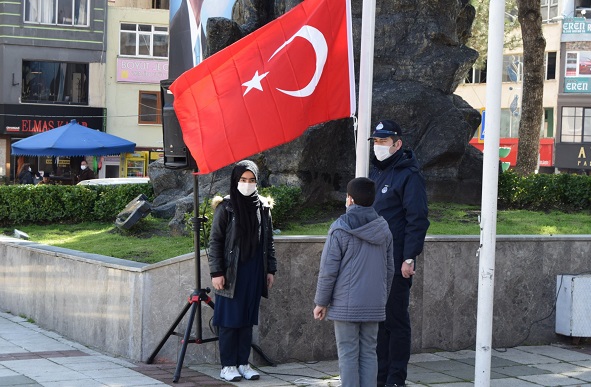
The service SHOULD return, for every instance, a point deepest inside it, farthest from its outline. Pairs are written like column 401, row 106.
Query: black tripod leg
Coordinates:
column 179, row 365
column 172, row 328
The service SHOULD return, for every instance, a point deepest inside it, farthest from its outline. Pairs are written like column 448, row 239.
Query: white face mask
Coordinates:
column 247, row 189
column 30, row 169
column 347, row 202
column 83, row 167
column 382, row 152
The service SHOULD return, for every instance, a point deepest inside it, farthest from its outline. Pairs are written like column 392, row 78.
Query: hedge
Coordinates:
column 42, row 204
column 563, row 192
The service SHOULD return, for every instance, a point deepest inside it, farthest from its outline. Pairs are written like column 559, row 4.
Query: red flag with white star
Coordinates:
column 269, row 87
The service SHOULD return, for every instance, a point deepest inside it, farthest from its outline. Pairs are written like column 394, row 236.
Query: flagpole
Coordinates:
column 490, row 178
column 365, row 87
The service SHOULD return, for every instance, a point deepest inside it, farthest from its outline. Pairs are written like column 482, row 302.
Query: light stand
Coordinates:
column 197, row 296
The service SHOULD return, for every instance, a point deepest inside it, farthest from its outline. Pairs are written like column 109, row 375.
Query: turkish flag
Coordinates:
column 269, row 87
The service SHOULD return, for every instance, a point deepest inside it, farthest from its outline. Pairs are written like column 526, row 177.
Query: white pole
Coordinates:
column 368, row 22
column 490, row 178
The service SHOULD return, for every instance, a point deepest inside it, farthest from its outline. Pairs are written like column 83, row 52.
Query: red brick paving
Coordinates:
column 40, row 355
column 164, row 372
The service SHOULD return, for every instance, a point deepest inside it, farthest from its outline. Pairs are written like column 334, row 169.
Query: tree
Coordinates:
column 479, row 39
column 532, row 107
column 534, row 44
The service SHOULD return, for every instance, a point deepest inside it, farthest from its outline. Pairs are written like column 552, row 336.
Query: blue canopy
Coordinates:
column 72, row 139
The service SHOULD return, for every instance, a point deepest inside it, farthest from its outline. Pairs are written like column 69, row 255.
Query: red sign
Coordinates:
column 546, row 150
column 38, row 126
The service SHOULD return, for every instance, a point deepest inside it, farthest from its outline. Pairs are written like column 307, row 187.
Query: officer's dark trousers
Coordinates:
column 393, row 347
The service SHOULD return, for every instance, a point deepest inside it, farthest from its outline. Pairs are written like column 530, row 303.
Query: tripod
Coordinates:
column 198, row 296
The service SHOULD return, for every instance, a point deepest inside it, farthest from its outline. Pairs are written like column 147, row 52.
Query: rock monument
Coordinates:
column 420, row 59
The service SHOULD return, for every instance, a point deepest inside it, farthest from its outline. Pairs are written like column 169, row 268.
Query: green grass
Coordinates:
column 150, row 240
column 459, row 219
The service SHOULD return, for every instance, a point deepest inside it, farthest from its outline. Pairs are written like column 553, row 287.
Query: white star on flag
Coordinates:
column 254, row 83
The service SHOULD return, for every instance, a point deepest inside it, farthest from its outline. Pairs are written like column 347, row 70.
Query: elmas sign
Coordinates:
column 27, row 120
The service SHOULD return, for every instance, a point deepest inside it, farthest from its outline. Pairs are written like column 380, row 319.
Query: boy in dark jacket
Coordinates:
column 356, row 271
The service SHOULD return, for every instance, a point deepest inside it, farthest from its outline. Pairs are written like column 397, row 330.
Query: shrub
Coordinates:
column 564, row 192
column 40, row 204
column 286, row 198
column 113, row 198
column 205, row 210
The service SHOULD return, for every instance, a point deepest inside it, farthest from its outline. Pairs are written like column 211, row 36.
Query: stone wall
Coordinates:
column 125, row 308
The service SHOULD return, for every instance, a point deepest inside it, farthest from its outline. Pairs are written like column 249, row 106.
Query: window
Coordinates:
column 510, row 123
column 55, row 82
column 548, row 123
column 512, row 68
column 161, row 4
column 549, row 9
column 150, row 111
column 576, row 124
column 476, row 75
column 61, row 12
column 143, row 40
column 550, row 65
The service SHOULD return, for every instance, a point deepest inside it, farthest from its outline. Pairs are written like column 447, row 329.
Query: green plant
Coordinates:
column 29, row 320
column 545, row 192
column 112, row 199
column 41, row 204
column 205, row 211
column 286, row 198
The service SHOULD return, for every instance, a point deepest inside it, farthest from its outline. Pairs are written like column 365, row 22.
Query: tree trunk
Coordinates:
column 532, row 108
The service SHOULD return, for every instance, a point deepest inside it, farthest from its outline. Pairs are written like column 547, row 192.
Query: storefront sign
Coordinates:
column 27, row 120
column 576, row 25
column 574, row 156
column 141, row 70
column 546, row 150
column 577, row 85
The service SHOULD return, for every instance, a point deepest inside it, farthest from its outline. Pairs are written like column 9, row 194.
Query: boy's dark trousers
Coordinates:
column 394, row 338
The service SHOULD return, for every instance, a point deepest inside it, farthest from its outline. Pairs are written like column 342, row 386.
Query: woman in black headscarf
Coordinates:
column 242, row 265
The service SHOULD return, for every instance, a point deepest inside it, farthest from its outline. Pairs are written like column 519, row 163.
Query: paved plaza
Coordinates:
column 31, row 356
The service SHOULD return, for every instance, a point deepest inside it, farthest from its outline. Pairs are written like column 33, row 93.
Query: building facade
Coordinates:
column 573, row 139
column 137, row 59
column 53, row 65
column 474, row 92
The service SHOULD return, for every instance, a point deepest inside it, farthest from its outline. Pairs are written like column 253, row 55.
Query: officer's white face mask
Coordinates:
column 382, row 152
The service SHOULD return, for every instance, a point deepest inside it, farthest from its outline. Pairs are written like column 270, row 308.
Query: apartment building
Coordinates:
column 53, row 58
column 136, row 62
column 573, row 135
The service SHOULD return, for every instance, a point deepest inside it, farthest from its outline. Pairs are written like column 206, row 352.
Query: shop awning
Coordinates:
column 72, row 139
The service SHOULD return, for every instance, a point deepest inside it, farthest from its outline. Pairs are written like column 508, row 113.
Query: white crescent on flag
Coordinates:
column 318, row 42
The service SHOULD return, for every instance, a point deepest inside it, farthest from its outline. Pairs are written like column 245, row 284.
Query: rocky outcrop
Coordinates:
column 420, row 59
